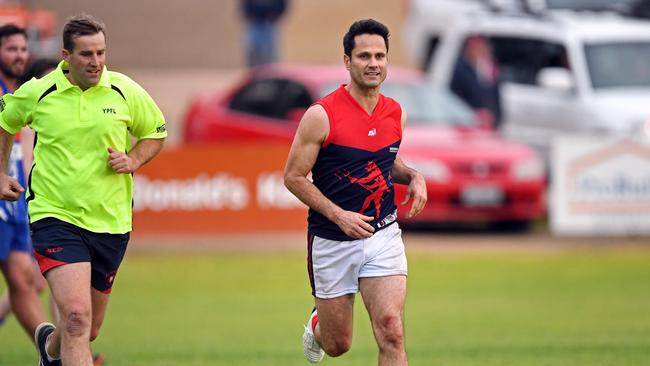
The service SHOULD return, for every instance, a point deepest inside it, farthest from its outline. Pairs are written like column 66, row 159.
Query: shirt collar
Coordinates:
column 62, row 82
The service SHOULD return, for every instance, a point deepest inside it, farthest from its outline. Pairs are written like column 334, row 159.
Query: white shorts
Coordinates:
column 336, row 266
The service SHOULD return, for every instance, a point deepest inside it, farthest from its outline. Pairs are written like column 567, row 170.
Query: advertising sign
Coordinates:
column 216, row 189
column 600, row 186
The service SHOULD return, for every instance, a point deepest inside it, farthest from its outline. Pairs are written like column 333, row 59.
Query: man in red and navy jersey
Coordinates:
column 349, row 141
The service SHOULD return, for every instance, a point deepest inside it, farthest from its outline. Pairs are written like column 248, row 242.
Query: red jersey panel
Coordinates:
column 354, row 165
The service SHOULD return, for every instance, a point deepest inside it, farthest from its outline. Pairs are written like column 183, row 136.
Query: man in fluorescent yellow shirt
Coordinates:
column 80, row 188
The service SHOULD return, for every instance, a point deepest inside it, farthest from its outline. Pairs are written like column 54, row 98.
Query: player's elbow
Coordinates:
column 289, row 181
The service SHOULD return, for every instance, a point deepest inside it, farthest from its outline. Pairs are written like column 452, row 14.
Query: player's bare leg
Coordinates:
column 39, row 284
column 70, row 286
column 384, row 298
column 334, row 329
column 5, row 307
column 99, row 304
column 23, row 297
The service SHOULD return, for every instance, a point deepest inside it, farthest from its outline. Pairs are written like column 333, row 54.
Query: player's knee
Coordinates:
column 77, row 321
column 391, row 330
column 40, row 285
column 338, row 346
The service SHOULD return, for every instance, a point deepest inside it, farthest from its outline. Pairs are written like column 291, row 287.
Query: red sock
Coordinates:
column 314, row 321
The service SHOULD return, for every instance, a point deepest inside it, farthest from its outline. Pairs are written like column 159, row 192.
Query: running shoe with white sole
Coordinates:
column 40, row 338
column 312, row 350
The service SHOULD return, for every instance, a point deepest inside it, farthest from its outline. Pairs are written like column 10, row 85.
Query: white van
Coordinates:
column 562, row 73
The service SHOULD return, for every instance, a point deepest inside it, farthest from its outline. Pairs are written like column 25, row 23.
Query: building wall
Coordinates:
column 208, row 33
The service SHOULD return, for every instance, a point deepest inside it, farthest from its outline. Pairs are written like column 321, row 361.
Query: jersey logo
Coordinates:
column 374, row 183
column 161, row 129
column 394, row 149
column 372, row 132
column 109, row 110
column 110, row 278
column 54, row 250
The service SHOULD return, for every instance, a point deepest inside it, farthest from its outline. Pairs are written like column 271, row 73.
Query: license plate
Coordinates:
column 482, row 196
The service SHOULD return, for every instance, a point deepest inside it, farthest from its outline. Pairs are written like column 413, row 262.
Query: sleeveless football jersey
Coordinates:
column 15, row 211
column 354, row 165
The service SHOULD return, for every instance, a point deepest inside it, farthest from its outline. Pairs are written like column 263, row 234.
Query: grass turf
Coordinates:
column 563, row 307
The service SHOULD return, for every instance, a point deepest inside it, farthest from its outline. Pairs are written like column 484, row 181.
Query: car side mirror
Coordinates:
column 556, row 78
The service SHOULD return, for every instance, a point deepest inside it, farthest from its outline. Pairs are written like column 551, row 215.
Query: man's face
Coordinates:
column 478, row 49
column 13, row 55
column 368, row 61
column 86, row 60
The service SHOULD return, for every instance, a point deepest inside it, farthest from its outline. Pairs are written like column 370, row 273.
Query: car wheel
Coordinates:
column 513, row 226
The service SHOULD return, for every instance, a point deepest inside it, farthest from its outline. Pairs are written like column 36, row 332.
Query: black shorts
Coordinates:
column 57, row 243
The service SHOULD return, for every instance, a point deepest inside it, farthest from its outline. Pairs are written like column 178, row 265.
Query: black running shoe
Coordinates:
column 40, row 337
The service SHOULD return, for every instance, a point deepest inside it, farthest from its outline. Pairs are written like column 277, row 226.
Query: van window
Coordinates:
column 596, row 5
column 621, row 64
column 520, row 59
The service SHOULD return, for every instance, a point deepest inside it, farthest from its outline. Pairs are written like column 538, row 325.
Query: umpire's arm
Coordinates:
column 143, row 151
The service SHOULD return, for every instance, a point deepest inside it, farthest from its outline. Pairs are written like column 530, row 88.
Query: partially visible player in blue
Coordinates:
column 16, row 258
column 80, row 190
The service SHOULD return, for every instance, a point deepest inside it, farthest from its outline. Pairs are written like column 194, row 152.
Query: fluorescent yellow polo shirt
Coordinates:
column 70, row 177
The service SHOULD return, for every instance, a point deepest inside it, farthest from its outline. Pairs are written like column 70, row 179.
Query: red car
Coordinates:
column 473, row 175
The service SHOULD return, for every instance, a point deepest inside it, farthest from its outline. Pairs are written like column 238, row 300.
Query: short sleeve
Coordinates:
column 14, row 111
column 147, row 120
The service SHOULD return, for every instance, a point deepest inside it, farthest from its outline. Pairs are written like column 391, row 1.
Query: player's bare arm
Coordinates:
column 10, row 189
column 417, row 187
column 312, row 132
column 27, row 136
column 143, row 151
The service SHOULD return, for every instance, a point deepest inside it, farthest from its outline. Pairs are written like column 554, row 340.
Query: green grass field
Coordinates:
column 568, row 307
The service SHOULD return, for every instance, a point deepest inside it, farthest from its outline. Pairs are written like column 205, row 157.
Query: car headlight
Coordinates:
column 530, row 169
column 432, row 170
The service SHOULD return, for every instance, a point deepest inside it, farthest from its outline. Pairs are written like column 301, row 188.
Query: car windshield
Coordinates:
column 589, row 4
column 426, row 105
column 619, row 64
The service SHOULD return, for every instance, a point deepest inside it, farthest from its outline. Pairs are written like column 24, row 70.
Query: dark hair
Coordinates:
column 81, row 25
column 366, row 26
column 8, row 30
